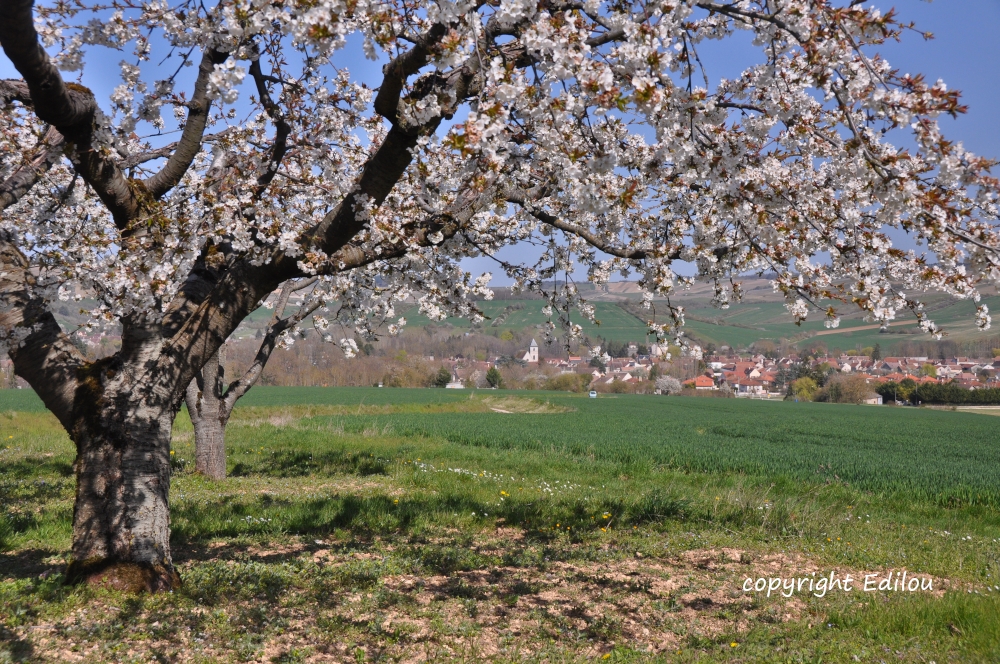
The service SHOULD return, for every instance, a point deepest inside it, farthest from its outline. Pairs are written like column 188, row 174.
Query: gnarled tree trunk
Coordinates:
column 121, row 520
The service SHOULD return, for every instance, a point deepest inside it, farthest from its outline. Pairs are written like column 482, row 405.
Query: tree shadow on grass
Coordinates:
column 367, row 516
column 14, row 649
column 35, row 466
column 28, row 483
column 28, row 563
column 364, row 515
column 298, row 463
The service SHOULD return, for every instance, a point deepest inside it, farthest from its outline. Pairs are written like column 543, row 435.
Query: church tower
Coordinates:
column 532, row 354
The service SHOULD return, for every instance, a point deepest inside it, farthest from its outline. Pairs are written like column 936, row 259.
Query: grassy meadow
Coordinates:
column 438, row 525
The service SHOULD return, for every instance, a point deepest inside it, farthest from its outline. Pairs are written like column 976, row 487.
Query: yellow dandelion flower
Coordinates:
column 733, row 644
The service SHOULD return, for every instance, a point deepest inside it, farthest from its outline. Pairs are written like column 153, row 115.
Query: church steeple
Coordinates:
column 532, row 354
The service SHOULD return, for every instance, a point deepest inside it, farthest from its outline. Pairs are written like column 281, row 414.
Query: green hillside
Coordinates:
column 739, row 326
column 613, row 322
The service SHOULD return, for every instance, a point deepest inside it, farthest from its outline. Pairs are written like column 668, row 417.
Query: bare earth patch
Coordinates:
column 650, row 604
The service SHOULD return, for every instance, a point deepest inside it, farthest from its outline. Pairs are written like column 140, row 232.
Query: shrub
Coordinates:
column 493, row 378
column 571, row 382
column 441, row 378
column 619, row 387
column 805, row 389
column 668, row 385
column 953, row 393
column 847, row 389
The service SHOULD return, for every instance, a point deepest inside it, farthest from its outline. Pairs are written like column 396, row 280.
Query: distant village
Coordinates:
column 863, row 377
column 752, row 375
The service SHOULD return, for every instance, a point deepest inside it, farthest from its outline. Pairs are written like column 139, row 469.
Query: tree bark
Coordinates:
column 209, row 417
column 121, row 520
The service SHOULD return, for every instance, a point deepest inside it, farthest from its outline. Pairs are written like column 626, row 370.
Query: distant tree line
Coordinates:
column 952, row 393
column 938, row 393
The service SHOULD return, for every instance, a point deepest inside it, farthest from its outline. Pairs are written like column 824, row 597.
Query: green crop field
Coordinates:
column 443, row 525
column 743, row 324
column 936, row 455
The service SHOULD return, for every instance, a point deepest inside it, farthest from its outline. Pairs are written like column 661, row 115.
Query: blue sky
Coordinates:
column 965, row 53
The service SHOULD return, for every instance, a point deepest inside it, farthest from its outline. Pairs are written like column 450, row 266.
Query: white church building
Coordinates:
column 532, row 354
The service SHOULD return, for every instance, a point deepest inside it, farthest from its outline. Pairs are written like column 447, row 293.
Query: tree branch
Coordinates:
column 70, row 109
column 45, row 357
column 194, row 129
column 395, row 73
column 606, row 37
column 158, row 153
column 29, row 173
column 281, row 130
column 239, row 387
column 733, row 11
column 521, row 199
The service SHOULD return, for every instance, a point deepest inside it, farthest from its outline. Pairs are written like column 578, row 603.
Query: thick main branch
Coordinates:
column 71, row 111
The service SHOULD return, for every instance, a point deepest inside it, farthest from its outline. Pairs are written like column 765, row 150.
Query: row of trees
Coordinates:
column 939, row 393
column 825, row 383
column 846, row 388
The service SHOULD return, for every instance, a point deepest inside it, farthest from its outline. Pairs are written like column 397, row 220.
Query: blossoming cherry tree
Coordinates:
column 237, row 153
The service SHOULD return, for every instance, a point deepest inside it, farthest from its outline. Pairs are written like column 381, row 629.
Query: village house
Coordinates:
column 701, row 383
column 749, row 387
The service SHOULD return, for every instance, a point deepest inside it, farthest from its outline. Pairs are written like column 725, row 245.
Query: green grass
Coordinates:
column 378, row 525
column 25, row 401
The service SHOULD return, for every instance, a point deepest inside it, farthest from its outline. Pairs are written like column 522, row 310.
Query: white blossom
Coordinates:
column 223, row 82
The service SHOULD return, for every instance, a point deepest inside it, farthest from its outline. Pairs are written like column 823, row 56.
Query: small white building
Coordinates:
column 532, row 354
